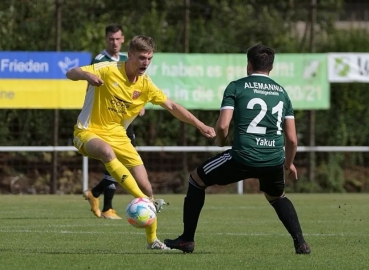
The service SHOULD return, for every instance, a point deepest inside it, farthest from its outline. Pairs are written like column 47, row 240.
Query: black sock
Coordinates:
column 287, row 214
column 109, row 192
column 99, row 188
column 193, row 203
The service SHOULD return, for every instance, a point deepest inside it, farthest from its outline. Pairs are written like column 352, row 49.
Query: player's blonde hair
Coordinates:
column 142, row 44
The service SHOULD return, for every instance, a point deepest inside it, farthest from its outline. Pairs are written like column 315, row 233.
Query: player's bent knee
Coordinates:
column 99, row 149
column 273, row 196
column 197, row 179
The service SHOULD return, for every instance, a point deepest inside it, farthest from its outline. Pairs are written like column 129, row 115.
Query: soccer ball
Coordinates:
column 140, row 212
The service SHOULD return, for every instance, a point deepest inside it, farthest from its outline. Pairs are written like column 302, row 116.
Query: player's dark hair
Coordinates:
column 142, row 44
column 113, row 28
column 261, row 57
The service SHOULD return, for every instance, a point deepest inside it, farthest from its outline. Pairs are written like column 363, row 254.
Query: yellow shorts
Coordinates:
column 121, row 144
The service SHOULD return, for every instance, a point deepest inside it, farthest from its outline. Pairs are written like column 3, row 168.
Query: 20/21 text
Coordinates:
column 307, row 93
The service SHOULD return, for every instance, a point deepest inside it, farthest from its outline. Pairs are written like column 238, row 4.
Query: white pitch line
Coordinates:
column 169, row 224
column 233, row 207
column 63, row 225
column 216, row 233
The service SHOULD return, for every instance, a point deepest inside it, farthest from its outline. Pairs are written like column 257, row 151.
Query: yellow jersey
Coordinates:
column 112, row 106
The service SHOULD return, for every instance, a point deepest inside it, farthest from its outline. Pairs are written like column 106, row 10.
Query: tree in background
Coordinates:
column 216, row 26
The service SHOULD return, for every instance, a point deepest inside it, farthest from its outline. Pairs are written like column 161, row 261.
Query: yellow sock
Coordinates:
column 151, row 231
column 122, row 175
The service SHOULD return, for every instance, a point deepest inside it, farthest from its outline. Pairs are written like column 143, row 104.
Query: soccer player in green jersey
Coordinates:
column 114, row 39
column 263, row 124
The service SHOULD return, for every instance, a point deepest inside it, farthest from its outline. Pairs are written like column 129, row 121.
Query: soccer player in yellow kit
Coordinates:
column 121, row 90
column 114, row 39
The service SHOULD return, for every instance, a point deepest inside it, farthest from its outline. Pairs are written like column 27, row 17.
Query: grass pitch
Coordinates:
column 235, row 232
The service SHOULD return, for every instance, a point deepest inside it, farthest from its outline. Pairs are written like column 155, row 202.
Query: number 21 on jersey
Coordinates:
column 253, row 127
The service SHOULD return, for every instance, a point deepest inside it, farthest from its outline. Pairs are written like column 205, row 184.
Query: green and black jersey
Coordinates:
column 104, row 56
column 260, row 107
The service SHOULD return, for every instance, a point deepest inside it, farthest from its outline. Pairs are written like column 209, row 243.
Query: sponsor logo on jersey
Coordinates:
column 119, row 105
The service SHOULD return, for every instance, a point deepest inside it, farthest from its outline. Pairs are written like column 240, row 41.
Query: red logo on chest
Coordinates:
column 136, row 94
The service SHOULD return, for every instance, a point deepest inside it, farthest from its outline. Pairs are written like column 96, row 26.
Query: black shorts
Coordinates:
column 222, row 169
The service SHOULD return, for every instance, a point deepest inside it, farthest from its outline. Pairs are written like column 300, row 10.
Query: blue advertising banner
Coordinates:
column 40, row 65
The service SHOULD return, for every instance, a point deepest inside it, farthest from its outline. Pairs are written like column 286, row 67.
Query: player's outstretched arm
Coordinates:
column 77, row 74
column 290, row 146
column 222, row 126
column 185, row 116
